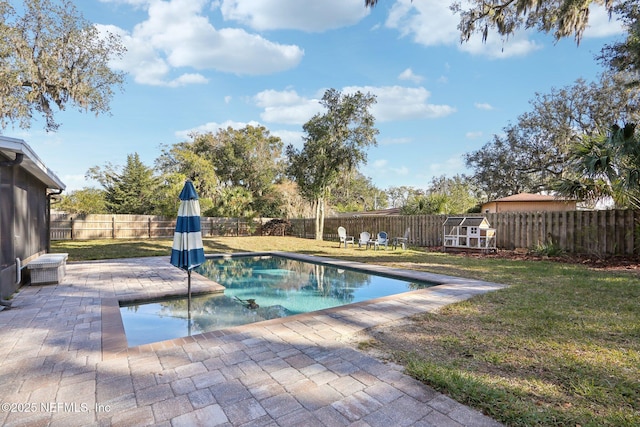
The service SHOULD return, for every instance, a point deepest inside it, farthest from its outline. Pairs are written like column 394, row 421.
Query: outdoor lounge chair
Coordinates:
column 365, row 239
column 342, row 234
column 403, row 241
column 381, row 240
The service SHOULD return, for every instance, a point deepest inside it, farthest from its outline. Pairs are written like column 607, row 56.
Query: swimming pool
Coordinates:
column 280, row 287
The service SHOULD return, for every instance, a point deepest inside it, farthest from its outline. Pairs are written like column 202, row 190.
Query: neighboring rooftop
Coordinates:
column 528, row 197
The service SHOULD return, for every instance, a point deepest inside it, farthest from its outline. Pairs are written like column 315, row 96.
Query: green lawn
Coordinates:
column 560, row 346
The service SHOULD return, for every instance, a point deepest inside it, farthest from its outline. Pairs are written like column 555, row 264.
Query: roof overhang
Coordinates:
column 30, row 162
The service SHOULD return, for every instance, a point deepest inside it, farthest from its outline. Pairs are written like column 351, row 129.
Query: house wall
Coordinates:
column 550, row 206
column 23, row 222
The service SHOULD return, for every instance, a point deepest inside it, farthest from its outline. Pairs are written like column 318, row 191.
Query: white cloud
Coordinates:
column 271, row 97
column 178, row 35
column 286, row 107
column 394, row 141
column 129, row 2
column 408, row 74
column 287, row 136
column 188, row 78
column 213, row 127
column 402, row 103
column 380, row 168
column 402, row 170
column 450, row 167
column 483, row 106
column 292, row 137
column 496, row 47
column 473, row 135
column 393, row 103
column 429, row 22
column 310, row 16
column 76, row 182
column 600, row 25
column 432, row 23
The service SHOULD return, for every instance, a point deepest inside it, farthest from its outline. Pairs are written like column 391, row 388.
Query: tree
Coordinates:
column 354, row 191
column 85, row 201
column 181, row 161
column 335, row 141
column 51, row 56
column 606, row 165
column 249, row 158
column 236, row 202
column 532, row 154
column 292, row 205
column 460, row 193
column 135, row 190
column 456, row 195
column 400, row 195
column 624, row 57
column 562, row 17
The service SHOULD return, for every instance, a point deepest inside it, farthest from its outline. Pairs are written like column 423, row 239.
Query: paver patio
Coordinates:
column 64, row 360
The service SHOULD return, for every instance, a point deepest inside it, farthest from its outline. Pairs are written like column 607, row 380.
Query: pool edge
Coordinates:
column 447, row 289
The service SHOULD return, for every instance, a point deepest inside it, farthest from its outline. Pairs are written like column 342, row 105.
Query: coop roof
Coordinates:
column 470, row 221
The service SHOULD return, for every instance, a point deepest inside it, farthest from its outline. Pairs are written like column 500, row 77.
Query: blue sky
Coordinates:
column 199, row 65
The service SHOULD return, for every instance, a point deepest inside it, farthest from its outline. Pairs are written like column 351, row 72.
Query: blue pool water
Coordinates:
column 280, row 286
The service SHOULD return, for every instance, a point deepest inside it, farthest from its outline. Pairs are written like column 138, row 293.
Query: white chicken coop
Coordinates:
column 468, row 233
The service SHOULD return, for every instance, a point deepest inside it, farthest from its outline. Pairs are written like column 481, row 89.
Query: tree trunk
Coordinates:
column 322, row 203
column 319, row 218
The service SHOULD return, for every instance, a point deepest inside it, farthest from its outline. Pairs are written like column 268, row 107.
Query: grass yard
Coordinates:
column 559, row 347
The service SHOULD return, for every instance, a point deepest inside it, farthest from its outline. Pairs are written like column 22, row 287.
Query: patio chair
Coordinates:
column 365, row 239
column 342, row 234
column 403, row 241
column 381, row 240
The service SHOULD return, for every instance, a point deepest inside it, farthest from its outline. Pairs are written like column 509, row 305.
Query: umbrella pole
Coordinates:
column 189, row 301
column 189, row 284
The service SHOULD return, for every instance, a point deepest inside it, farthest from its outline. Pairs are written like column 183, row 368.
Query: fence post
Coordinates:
column 149, row 227
column 113, row 227
column 71, row 219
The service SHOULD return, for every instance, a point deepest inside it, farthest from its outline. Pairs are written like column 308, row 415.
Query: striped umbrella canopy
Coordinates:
column 187, row 252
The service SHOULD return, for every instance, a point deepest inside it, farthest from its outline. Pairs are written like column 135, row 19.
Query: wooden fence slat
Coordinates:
column 629, row 231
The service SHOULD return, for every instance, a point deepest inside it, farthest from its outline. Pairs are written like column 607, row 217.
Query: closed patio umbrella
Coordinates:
column 187, row 252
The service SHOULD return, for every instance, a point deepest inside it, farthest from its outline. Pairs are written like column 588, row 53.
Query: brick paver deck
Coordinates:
column 64, row 360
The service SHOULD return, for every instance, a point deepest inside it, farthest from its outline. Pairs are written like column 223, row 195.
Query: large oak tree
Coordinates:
column 532, row 154
column 50, row 56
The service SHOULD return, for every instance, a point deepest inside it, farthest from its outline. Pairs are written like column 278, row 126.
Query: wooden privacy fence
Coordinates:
column 78, row 227
column 610, row 232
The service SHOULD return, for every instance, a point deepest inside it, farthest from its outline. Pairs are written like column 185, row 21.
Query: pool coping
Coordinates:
column 448, row 289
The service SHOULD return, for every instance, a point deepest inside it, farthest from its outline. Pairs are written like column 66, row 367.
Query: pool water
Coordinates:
column 280, row 287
